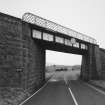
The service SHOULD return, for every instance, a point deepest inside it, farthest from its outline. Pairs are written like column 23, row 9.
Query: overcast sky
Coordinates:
column 85, row 16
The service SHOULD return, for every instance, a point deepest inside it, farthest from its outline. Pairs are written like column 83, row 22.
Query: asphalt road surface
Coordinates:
column 63, row 92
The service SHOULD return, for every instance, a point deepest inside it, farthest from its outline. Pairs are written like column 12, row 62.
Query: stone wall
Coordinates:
column 10, row 51
column 34, row 60
column 22, row 59
column 84, row 68
column 102, row 54
column 91, row 66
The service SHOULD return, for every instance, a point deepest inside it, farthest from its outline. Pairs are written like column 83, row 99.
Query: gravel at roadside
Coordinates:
column 98, row 83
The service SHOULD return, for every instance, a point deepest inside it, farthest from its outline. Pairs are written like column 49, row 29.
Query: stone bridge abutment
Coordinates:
column 22, row 60
column 91, row 66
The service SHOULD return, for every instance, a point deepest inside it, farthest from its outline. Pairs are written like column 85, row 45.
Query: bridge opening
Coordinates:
column 62, row 65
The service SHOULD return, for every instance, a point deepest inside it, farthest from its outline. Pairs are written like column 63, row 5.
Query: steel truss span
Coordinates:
column 33, row 19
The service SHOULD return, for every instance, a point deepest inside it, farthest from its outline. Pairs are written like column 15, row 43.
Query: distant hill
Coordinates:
column 76, row 67
column 63, row 67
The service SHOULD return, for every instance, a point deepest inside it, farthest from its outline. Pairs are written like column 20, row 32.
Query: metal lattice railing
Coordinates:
column 33, row 19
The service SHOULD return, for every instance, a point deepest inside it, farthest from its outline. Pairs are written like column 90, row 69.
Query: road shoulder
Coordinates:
column 100, row 84
column 34, row 94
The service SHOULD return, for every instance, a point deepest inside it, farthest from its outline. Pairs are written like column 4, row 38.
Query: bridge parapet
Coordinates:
column 36, row 20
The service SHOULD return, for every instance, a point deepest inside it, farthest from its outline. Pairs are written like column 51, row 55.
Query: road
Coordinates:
column 63, row 92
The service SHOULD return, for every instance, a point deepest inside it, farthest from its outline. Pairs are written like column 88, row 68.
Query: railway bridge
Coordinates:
column 23, row 43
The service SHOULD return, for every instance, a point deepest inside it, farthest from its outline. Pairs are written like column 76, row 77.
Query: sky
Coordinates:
column 85, row 16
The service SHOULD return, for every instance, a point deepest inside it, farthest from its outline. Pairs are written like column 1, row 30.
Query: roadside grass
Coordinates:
column 12, row 96
column 48, row 75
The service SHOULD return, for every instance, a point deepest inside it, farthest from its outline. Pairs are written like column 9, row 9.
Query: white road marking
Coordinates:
column 74, row 99
column 33, row 94
column 100, row 91
column 53, row 80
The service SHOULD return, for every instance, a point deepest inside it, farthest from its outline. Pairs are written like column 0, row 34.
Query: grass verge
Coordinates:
column 12, row 96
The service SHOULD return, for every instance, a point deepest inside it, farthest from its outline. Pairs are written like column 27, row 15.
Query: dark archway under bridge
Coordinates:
column 22, row 50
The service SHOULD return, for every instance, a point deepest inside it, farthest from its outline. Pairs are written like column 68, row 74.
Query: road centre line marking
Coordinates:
column 74, row 99
column 34, row 94
column 100, row 91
